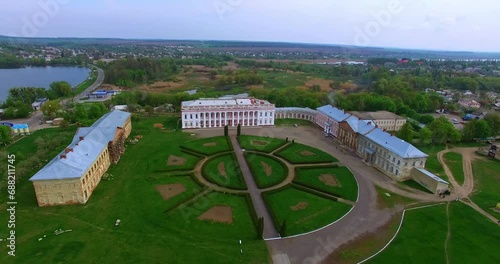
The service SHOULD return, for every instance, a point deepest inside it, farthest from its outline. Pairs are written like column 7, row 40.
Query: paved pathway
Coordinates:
column 258, row 203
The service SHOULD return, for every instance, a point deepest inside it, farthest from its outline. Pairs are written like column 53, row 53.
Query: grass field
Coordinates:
column 432, row 164
column 384, row 201
column 208, row 146
column 266, row 170
column 146, row 234
column 473, row 238
column 301, row 154
column 224, row 170
column 455, row 163
column 303, row 212
column 415, row 185
column 192, row 188
column 486, row 182
column 263, row 144
column 337, row 181
column 291, row 122
column 187, row 163
column 423, row 230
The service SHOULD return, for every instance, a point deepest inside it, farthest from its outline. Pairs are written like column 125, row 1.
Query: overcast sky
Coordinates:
column 423, row 24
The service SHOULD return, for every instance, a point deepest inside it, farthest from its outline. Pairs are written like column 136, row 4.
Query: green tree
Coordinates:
column 5, row 135
column 443, row 131
column 406, row 133
column 482, row 129
column 226, row 130
column 425, row 136
column 50, row 108
column 149, row 109
column 238, row 130
column 493, row 120
column 61, row 89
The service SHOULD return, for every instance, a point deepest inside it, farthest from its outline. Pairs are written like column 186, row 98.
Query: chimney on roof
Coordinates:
column 68, row 150
column 63, row 156
column 82, row 138
column 369, row 123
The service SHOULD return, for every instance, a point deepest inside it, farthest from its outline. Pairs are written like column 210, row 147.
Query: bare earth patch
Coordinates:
column 210, row 144
column 299, row 206
column 268, row 169
column 329, row 180
column 170, row 190
column 307, row 153
column 158, row 125
column 175, row 161
column 259, row 143
column 221, row 167
column 218, row 214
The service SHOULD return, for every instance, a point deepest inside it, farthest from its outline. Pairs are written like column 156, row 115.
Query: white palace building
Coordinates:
column 213, row 112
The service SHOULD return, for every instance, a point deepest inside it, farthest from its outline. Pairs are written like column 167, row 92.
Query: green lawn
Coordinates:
column 420, row 240
column 263, row 144
column 208, row 146
column 224, row 170
column 486, row 184
column 291, row 122
column 186, row 161
column 192, row 188
column 415, row 185
column 303, row 212
column 455, row 163
column 266, row 170
column 337, row 181
column 432, row 164
column 146, row 234
column 473, row 238
column 296, row 153
column 185, row 217
column 384, row 201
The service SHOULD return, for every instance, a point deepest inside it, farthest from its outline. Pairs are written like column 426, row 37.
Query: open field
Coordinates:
column 146, row 234
column 303, row 212
column 486, row 182
column 263, row 144
column 337, row 181
column 472, row 238
column 455, row 163
column 281, row 79
column 224, row 171
column 208, row 146
column 188, row 189
column 301, row 154
column 266, row 170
